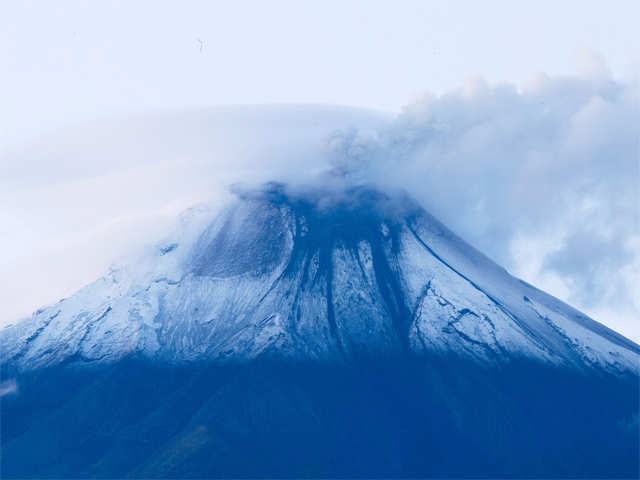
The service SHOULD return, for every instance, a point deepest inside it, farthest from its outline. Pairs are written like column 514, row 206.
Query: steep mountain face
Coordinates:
column 317, row 332
column 315, row 275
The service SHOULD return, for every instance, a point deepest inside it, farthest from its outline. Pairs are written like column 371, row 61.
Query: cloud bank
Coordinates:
column 543, row 179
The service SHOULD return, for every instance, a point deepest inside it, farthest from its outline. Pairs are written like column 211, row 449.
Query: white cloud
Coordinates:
column 544, row 180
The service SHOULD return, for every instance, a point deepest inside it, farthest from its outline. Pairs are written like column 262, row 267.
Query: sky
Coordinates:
column 511, row 121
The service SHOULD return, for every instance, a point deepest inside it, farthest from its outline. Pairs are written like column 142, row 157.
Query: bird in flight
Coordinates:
column 201, row 44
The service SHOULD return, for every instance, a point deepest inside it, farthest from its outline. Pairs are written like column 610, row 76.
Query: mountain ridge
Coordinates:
column 334, row 254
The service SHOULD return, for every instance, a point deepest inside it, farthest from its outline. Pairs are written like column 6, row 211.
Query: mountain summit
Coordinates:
column 317, row 332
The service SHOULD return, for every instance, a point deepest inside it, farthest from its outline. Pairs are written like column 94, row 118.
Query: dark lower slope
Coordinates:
column 427, row 417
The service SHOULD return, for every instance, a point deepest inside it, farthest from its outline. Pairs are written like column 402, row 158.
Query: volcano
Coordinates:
column 317, row 332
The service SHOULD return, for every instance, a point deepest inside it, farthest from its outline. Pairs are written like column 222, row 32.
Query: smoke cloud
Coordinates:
column 544, row 180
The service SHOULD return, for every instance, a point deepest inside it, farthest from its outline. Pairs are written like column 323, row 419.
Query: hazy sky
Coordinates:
column 63, row 60
column 71, row 201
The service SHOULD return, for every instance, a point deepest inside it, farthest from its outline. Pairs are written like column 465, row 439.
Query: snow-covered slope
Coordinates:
column 316, row 274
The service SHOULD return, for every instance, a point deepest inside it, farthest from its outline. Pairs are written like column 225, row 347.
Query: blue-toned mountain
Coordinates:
column 325, row 331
